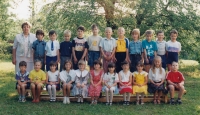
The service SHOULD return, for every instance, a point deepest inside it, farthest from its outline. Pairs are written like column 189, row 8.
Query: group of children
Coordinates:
column 123, row 66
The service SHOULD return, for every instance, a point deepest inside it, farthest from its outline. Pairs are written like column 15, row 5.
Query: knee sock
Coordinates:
column 124, row 97
column 111, row 95
column 142, row 96
column 128, row 97
column 107, row 96
column 137, row 95
column 54, row 91
column 49, row 91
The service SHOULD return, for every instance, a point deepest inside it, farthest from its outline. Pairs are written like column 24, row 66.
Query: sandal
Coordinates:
column 158, row 101
column 155, row 102
column 137, row 102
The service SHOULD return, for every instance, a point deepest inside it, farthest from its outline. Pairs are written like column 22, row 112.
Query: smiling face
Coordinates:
column 174, row 66
column 108, row 33
column 80, row 33
column 67, row 37
column 173, row 36
column 81, row 67
column 149, row 37
column 125, row 67
column 53, row 37
column 121, row 32
column 22, row 69
column 111, row 69
column 53, row 68
column 37, row 66
column 68, row 66
column 97, row 67
column 160, row 36
column 157, row 63
column 95, row 31
column 26, row 29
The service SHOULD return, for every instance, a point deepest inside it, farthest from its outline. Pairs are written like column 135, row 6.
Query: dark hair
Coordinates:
column 53, row 63
column 159, row 31
column 81, row 28
column 124, row 63
column 37, row 60
column 140, row 64
column 111, row 65
column 97, row 62
column 173, row 32
column 22, row 63
column 39, row 32
column 26, row 23
column 68, row 61
column 149, row 32
column 51, row 32
column 174, row 62
column 94, row 26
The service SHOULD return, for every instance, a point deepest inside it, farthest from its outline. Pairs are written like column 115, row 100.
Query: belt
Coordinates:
column 135, row 54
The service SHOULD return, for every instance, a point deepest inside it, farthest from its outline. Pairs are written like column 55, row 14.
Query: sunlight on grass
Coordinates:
column 7, row 66
column 12, row 94
column 188, row 63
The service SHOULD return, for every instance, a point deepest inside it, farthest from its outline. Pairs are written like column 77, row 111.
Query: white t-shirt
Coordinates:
column 67, row 76
column 53, row 76
column 93, row 42
column 110, row 79
column 56, row 46
column 161, row 45
column 173, row 46
column 157, row 77
column 124, row 77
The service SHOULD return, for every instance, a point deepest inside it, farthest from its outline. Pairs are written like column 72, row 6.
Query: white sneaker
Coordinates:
column 68, row 101
column 65, row 100
column 79, row 99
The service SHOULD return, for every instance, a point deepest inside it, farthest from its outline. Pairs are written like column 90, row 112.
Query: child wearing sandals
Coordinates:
column 95, row 87
column 52, row 81
column 37, row 78
column 67, row 77
column 82, row 76
column 110, row 81
column 140, row 82
column 175, row 81
column 22, row 81
column 125, row 82
column 157, row 77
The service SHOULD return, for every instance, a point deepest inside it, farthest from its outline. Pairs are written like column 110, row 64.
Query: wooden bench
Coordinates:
column 116, row 98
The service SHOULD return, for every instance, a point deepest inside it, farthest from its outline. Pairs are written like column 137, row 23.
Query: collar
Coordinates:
column 160, row 41
column 136, row 41
column 79, row 38
column 78, row 73
column 122, row 38
column 109, row 39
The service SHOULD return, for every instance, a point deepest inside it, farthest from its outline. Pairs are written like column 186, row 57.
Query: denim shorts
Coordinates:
column 92, row 56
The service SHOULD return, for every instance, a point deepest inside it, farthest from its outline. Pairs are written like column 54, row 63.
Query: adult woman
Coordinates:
column 22, row 48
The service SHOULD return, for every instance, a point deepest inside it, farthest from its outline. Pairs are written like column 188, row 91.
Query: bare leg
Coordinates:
column 154, row 97
column 181, row 91
column 33, row 91
column 111, row 95
column 171, row 91
column 159, row 94
column 124, row 95
column 128, row 96
column 107, row 95
column 64, row 90
column 68, row 87
column 38, row 92
column 137, row 97
column 23, row 88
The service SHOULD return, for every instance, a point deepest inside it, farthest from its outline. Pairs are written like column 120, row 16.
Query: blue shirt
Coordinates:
column 108, row 44
column 66, row 48
column 39, row 48
column 150, row 47
column 135, row 47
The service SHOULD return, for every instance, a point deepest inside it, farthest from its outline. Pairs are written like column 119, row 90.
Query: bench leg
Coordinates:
column 166, row 98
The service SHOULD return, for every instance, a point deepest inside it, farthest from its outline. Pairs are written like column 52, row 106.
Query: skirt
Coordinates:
column 125, row 89
column 153, row 88
column 142, row 89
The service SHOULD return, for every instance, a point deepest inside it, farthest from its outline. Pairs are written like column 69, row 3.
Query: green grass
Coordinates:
column 9, row 104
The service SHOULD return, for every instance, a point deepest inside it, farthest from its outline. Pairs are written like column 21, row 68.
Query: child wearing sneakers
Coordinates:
column 94, row 49
column 23, row 81
column 175, row 81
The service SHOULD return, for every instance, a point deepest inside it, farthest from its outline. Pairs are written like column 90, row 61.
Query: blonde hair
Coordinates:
column 154, row 66
column 108, row 28
column 149, row 32
column 136, row 31
column 81, row 62
column 121, row 28
column 67, row 32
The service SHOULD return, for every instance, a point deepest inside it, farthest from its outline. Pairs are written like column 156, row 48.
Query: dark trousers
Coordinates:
column 135, row 58
column 120, row 56
column 78, row 54
column 163, row 57
column 48, row 60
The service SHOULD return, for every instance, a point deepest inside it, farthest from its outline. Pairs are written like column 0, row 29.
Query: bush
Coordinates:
column 5, row 50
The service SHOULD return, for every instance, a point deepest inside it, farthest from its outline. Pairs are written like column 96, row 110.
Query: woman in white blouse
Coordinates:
column 22, row 48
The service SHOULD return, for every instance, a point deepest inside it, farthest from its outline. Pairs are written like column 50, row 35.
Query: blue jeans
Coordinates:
column 92, row 56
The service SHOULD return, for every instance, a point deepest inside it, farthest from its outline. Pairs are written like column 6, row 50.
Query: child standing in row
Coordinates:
column 140, row 82
column 173, row 48
column 79, row 47
column 67, row 77
column 122, row 44
column 135, row 50
column 175, row 81
column 52, row 81
column 161, row 45
column 157, row 77
column 65, row 49
column 22, row 81
column 52, row 50
column 108, row 46
column 37, row 78
column 39, row 48
column 150, row 49
column 125, row 82
column 82, row 76
column 94, row 49
column 95, row 87
column 110, row 81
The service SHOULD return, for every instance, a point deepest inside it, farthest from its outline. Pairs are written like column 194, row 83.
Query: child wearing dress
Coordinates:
column 95, row 87
column 23, row 82
column 52, row 50
column 161, row 45
column 108, row 46
column 82, row 76
column 65, row 49
column 173, row 48
column 79, row 47
column 135, row 50
column 37, row 78
column 125, row 82
column 67, row 77
column 175, row 81
column 157, row 77
column 121, row 53
column 52, row 81
column 94, row 49
column 110, row 81
column 39, row 48
column 150, row 48
column 140, row 82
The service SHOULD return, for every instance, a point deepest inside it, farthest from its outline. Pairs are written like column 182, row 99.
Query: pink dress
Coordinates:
column 95, row 91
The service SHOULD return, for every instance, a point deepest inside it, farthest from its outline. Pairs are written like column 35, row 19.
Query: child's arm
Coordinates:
column 84, row 54
column 120, row 79
column 74, row 55
column 130, row 80
column 146, row 80
column 91, row 80
column 58, row 82
column 155, row 53
column 102, row 53
column 58, row 56
column 100, row 80
column 113, row 53
column 45, row 57
column 145, row 56
column 127, row 55
column 47, row 78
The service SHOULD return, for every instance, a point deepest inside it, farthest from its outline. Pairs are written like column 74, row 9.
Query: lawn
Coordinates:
column 9, row 104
